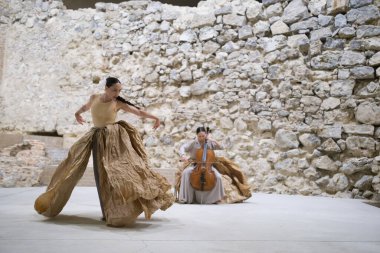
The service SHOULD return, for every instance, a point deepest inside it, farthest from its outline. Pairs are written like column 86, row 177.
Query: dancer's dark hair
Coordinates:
column 110, row 81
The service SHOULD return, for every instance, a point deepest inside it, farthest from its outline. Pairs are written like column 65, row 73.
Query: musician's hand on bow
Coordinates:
column 209, row 137
column 184, row 159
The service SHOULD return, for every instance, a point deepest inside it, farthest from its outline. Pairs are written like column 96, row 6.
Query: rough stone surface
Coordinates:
column 341, row 88
column 363, row 15
column 294, row 11
column 363, row 72
column 359, row 129
column 329, row 146
column 354, row 165
column 324, row 163
column 361, row 146
column 22, row 164
column 368, row 113
column 291, row 88
column 286, row 139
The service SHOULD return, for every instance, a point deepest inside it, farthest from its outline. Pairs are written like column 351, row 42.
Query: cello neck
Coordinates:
column 204, row 157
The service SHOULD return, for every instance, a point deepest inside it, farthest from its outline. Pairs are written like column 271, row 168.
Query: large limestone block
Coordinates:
column 245, row 32
column 360, row 3
column 279, row 27
column 350, row 58
column 375, row 59
column 264, row 125
column 364, row 183
column 240, row 125
column 286, row 139
column 368, row 113
column 310, row 141
column 339, row 182
column 226, row 122
column 342, row 88
column 200, row 87
column 326, row 61
column 294, row 11
column 367, row 31
column 363, row 15
column 295, row 41
column 287, row 167
column 361, row 146
column 331, row 132
column 272, row 44
column 207, row 33
column 210, row 47
column 317, row 7
column 324, row 163
column 354, row 165
column 359, row 129
column 188, row 36
column 260, row 28
column 365, row 44
column 329, row 146
column 330, row 103
column 311, row 103
column 338, row 6
column 362, row 72
column 261, row 165
column 201, row 20
column 321, row 33
column 234, row 20
column 274, row 10
column 311, row 24
column 254, row 11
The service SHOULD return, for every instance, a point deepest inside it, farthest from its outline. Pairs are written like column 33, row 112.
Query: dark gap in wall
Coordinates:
column 74, row 5
column 52, row 134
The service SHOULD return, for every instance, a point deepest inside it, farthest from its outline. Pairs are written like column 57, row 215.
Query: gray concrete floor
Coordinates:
column 265, row 223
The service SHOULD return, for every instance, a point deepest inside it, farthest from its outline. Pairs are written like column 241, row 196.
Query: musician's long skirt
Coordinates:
column 187, row 194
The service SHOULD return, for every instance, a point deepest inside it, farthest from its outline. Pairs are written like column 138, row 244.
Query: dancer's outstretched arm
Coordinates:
column 84, row 108
column 140, row 113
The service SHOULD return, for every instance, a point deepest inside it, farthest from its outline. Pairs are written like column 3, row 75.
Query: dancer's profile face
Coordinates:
column 201, row 137
column 113, row 91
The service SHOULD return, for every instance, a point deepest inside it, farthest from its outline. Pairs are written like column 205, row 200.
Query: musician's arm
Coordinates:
column 216, row 145
column 185, row 148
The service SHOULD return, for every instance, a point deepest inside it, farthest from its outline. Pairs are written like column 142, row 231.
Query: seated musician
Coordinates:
column 231, row 184
column 187, row 194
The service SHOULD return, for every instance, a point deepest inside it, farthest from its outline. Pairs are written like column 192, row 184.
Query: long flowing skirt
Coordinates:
column 126, row 185
column 187, row 194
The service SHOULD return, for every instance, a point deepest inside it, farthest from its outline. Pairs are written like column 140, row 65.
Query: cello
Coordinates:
column 202, row 178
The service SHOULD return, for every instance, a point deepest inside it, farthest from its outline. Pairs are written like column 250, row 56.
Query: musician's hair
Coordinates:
column 203, row 129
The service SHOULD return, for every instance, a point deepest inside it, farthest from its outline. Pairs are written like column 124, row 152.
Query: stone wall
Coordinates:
column 22, row 164
column 290, row 87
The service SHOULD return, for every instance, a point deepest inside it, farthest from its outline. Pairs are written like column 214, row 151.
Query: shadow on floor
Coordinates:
column 376, row 204
column 140, row 224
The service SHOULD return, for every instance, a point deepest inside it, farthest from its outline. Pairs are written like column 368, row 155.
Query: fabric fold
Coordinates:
column 127, row 186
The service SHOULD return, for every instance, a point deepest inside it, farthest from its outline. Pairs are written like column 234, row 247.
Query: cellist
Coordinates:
column 187, row 194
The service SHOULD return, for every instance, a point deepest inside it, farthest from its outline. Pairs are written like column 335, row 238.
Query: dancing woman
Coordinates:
column 125, row 183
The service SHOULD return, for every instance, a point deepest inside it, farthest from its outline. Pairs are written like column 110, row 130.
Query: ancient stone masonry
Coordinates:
column 290, row 87
column 22, row 164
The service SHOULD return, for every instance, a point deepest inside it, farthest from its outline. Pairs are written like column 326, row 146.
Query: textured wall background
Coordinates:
column 290, row 87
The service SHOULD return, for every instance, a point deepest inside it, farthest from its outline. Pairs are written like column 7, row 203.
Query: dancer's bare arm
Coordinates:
column 140, row 113
column 84, row 108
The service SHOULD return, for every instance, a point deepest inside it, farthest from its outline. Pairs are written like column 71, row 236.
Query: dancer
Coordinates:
column 125, row 183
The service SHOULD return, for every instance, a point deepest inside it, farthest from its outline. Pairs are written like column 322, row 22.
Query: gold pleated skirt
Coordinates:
column 127, row 187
